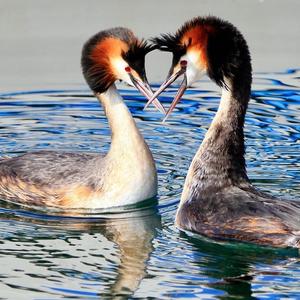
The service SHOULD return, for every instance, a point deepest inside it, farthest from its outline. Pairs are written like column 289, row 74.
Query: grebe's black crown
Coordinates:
column 100, row 77
column 226, row 50
column 135, row 56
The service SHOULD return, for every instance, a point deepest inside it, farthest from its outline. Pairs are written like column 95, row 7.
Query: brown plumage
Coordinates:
column 218, row 199
column 126, row 174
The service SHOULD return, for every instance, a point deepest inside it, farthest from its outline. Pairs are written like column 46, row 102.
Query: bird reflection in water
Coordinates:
column 233, row 266
column 134, row 238
column 131, row 232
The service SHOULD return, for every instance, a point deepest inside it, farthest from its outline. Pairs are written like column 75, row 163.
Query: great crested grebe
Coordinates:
column 127, row 173
column 218, row 199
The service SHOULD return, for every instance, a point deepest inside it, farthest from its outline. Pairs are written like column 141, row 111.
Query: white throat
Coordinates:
column 194, row 72
column 130, row 168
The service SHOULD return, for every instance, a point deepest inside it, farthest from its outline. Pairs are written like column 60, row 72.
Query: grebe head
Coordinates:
column 206, row 45
column 116, row 54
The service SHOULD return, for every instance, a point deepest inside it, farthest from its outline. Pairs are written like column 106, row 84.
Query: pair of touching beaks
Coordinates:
column 146, row 90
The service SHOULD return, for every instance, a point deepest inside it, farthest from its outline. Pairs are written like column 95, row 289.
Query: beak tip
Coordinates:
column 164, row 120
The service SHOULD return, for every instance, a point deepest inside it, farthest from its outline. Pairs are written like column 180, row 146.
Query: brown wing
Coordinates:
column 264, row 231
column 50, row 178
column 259, row 230
column 16, row 190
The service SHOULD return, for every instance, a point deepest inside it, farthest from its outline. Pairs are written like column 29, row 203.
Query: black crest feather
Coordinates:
column 226, row 51
column 135, row 56
column 166, row 42
column 171, row 42
column 97, row 76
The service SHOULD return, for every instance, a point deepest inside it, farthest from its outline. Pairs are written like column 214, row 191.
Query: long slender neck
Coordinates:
column 128, row 173
column 125, row 134
column 219, row 161
column 223, row 145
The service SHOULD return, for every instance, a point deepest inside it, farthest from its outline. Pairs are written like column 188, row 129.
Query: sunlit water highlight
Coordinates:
column 139, row 254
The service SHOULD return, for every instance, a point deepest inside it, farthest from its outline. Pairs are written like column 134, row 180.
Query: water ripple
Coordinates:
column 140, row 254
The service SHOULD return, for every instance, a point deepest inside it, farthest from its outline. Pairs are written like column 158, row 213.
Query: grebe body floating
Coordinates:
column 127, row 173
column 218, row 200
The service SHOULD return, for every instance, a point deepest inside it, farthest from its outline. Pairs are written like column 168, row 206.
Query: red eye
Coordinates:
column 128, row 69
column 183, row 63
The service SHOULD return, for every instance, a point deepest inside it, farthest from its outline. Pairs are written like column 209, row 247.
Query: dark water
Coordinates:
column 140, row 254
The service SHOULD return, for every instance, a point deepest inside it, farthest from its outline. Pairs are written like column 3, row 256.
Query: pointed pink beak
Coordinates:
column 168, row 82
column 146, row 90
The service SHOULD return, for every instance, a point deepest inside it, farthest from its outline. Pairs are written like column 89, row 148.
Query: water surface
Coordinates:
column 141, row 254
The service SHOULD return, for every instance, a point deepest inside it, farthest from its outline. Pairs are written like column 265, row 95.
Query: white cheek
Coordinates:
column 119, row 66
column 193, row 71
